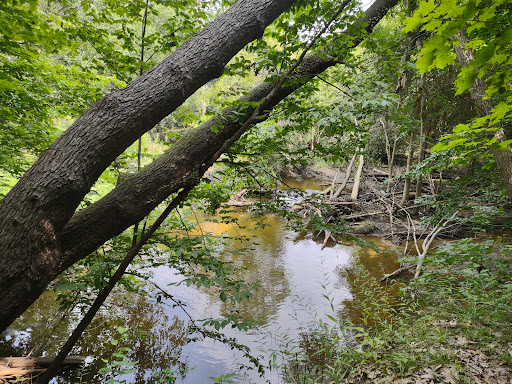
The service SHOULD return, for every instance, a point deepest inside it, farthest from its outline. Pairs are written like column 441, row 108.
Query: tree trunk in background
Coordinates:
column 40, row 237
column 357, row 179
column 407, row 186
column 421, row 157
column 418, row 116
column 390, row 152
column 421, row 150
column 503, row 158
column 390, row 167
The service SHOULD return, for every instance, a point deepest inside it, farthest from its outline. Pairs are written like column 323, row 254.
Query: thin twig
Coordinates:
column 335, row 86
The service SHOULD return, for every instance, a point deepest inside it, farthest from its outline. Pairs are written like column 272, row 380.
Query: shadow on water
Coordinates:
column 295, row 277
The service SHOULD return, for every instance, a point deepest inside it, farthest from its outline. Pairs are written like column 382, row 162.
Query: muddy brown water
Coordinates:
column 295, row 277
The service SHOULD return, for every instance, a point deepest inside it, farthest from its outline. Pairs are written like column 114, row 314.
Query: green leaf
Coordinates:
column 425, row 61
column 465, row 79
column 504, row 145
column 414, row 22
column 483, row 54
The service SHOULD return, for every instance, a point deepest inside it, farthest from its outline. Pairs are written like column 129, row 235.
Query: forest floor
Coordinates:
column 458, row 332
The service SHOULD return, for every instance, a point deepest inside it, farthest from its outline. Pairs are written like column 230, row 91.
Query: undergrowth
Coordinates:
column 451, row 325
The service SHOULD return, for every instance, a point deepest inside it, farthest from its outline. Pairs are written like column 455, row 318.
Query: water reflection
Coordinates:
column 298, row 284
column 155, row 337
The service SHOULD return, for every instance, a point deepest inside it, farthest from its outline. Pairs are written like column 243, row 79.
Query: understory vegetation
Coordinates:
column 347, row 127
column 452, row 325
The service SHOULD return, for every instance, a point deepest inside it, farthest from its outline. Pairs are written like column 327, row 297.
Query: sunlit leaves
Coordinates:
column 58, row 57
column 486, row 25
column 435, row 53
column 36, row 88
column 465, row 79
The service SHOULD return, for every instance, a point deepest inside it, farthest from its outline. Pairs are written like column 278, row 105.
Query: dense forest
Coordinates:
column 126, row 126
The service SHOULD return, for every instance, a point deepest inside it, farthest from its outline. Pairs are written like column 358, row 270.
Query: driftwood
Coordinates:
column 347, row 177
column 235, row 203
column 428, row 241
column 377, row 175
column 238, row 200
column 357, row 179
column 379, row 172
column 12, row 368
column 397, row 273
column 340, row 203
column 351, row 217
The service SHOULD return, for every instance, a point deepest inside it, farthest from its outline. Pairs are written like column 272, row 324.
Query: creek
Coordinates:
column 298, row 283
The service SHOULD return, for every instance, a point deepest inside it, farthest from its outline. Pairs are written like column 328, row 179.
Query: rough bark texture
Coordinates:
column 39, row 239
column 36, row 210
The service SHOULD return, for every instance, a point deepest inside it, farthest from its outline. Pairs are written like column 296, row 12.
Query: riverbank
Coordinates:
column 452, row 325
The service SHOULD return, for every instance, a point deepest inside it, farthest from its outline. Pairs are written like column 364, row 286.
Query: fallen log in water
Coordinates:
column 12, row 368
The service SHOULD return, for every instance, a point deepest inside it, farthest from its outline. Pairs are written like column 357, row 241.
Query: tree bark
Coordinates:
column 36, row 210
column 407, row 185
column 423, row 133
column 347, row 178
column 41, row 240
column 390, row 152
column 418, row 116
column 357, row 179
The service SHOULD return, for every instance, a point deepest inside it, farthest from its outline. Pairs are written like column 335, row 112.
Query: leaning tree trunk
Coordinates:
column 503, row 158
column 36, row 210
column 346, row 179
column 40, row 240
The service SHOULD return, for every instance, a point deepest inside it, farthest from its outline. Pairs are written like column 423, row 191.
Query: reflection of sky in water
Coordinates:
column 294, row 274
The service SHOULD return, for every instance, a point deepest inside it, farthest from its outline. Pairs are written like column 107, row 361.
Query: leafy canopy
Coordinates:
column 487, row 26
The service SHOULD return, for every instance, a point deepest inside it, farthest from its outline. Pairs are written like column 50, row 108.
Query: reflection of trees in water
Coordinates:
column 263, row 259
column 31, row 331
column 371, row 299
column 156, row 340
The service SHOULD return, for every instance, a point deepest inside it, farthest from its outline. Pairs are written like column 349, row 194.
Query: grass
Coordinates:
column 450, row 325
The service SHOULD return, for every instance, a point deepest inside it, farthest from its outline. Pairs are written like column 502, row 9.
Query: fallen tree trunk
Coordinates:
column 397, row 273
column 14, row 368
